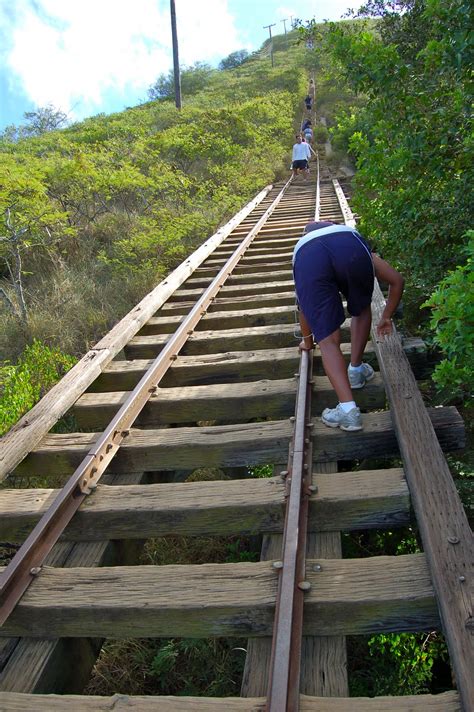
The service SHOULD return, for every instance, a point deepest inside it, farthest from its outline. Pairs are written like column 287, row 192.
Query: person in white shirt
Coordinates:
column 300, row 157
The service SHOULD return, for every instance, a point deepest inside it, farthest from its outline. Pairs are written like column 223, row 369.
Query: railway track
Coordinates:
column 222, row 392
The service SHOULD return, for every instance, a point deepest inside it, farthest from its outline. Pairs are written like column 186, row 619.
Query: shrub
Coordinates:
column 452, row 317
column 21, row 386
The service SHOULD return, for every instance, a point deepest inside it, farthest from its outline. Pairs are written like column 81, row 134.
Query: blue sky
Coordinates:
column 90, row 56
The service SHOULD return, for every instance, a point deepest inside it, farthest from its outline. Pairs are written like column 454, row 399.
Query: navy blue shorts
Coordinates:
column 329, row 265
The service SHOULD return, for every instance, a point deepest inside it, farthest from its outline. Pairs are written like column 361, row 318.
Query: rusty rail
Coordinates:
column 283, row 690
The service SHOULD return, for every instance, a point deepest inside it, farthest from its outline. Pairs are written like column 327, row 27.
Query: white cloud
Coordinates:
column 72, row 52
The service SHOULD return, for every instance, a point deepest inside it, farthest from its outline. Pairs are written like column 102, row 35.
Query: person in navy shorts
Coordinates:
column 330, row 260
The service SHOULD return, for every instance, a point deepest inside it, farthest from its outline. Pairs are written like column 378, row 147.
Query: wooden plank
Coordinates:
column 224, row 319
column 347, row 597
column 445, row 531
column 11, row 702
column 234, row 445
column 257, row 399
column 281, row 275
column 237, row 366
column 237, row 291
column 257, row 660
column 32, row 427
column 324, row 658
column 275, row 336
column 355, row 500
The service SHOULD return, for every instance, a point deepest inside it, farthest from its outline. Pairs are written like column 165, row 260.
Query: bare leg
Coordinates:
column 335, row 366
column 307, row 342
column 360, row 330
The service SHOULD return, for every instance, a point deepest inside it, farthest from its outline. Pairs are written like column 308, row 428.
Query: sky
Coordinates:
column 86, row 57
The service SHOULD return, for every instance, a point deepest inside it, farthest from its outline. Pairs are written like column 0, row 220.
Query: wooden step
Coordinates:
column 274, row 336
column 257, row 399
column 348, row 500
column 224, row 320
column 237, row 291
column 347, row 597
column 234, row 445
column 17, row 702
column 238, row 366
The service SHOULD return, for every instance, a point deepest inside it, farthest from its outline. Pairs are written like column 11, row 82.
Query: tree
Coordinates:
column 193, row 79
column 40, row 121
column 235, row 59
column 28, row 220
column 45, row 118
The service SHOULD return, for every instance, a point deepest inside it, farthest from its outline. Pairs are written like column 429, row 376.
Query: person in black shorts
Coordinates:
column 300, row 156
column 330, row 260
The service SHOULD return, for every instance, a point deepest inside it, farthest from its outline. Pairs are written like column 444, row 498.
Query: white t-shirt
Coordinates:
column 301, row 152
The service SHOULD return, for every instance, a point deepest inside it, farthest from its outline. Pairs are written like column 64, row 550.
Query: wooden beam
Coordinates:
column 355, row 500
column 234, row 445
column 347, row 597
column 243, row 318
column 237, row 366
column 11, row 702
column 275, row 336
column 257, row 399
column 445, row 532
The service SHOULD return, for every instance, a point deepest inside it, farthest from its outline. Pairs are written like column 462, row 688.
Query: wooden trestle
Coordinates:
column 227, row 401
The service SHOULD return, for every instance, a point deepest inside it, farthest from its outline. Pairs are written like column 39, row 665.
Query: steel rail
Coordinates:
column 285, row 664
column 27, row 562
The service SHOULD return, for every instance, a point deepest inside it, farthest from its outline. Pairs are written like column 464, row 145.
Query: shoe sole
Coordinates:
column 361, row 385
column 347, row 428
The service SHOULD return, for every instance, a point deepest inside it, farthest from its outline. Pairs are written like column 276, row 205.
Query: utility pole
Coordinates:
column 284, row 26
column 177, row 76
column 269, row 27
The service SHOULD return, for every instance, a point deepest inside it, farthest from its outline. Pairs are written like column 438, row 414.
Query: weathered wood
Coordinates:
column 258, row 399
column 11, row 702
column 237, row 291
column 224, row 320
column 353, row 500
column 234, row 445
column 236, row 366
column 31, row 428
column 445, row 531
column 347, row 597
column 257, row 660
column 275, row 336
column 280, row 275
column 324, row 658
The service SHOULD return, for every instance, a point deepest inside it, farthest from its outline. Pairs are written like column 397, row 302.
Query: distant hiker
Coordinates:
column 312, row 89
column 300, row 157
column 308, row 102
column 305, row 124
column 328, row 260
column 308, row 132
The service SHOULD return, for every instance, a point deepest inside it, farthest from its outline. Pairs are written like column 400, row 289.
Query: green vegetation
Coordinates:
column 22, row 385
column 94, row 215
column 410, row 65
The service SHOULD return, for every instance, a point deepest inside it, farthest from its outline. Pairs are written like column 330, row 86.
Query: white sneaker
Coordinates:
column 358, row 379
column 336, row 418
